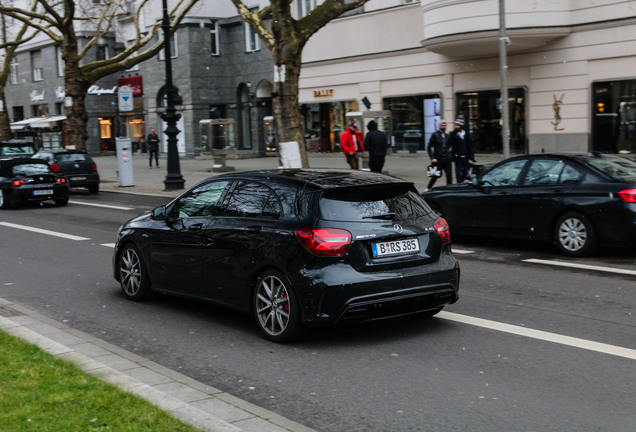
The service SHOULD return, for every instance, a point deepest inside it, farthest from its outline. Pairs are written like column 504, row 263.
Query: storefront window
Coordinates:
column 324, row 123
column 415, row 118
column 482, row 113
column 614, row 116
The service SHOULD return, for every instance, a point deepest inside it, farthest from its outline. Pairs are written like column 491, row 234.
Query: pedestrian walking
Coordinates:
column 376, row 144
column 440, row 150
column 462, row 150
column 351, row 142
column 153, row 148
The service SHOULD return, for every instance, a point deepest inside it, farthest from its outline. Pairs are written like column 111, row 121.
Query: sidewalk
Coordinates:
column 411, row 167
column 193, row 402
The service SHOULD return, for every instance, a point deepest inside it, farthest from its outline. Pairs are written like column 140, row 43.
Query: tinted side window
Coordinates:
column 551, row 172
column 249, row 199
column 205, row 200
column 504, row 175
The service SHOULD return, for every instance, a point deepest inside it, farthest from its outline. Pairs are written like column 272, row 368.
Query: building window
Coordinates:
column 305, row 6
column 415, row 118
column 59, row 61
column 614, row 116
column 41, row 110
column 15, row 71
column 482, row 111
column 101, row 53
column 214, row 39
column 252, row 41
column 36, row 65
column 18, row 113
column 173, row 48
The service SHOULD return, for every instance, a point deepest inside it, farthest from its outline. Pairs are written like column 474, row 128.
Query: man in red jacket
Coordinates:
column 351, row 144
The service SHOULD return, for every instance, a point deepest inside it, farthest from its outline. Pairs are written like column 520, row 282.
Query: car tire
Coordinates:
column 93, row 189
column 133, row 277
column 574, row 235
column 4, row 202
column 62, row 202
column 276, row 308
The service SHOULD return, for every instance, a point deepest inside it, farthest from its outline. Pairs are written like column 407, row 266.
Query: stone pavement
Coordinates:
column 204, row 407
column 411, row 167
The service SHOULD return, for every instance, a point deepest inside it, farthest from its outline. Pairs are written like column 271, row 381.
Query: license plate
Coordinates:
column 43, row 192
column 395, row 247
column 78, row 178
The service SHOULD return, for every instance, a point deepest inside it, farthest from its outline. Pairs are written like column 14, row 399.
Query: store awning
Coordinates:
column 36, row 122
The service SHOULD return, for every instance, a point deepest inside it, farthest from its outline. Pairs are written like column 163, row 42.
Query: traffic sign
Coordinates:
column 125, row 98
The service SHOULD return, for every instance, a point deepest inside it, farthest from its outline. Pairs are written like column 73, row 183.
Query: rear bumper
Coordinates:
column 82, row 180
column 339, row 293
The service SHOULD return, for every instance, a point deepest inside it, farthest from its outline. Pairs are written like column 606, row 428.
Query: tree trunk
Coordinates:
column 75, row 87
column 5, row 128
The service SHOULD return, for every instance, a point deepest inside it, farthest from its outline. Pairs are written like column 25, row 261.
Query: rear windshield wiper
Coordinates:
column 386, row 216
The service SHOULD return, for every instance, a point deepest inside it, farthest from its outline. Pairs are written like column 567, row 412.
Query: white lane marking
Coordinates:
column 582, row 266
column 110, row 245
column 43, row 231
column 541, row 335
column 102, row 205
column 462, row 251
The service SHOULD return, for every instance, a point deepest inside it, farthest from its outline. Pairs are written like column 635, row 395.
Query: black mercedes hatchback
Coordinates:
column 295, row 248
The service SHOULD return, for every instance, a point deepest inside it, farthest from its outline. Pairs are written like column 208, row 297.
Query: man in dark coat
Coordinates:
column 153, row 147
column 375, row 143
column 462, row 150
column 440, row 151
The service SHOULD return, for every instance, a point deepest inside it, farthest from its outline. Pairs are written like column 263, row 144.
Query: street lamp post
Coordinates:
column 174, row 180
column 503, row 41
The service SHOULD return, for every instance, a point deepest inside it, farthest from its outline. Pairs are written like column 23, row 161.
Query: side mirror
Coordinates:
column 159, row 213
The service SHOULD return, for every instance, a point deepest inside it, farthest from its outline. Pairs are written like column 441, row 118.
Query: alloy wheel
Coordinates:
column 273, row 305
column 130, row 272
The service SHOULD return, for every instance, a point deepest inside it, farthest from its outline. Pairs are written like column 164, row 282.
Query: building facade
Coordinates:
column 570, row 84
column 571, row 87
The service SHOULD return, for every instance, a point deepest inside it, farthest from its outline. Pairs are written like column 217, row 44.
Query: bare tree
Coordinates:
column 8, row 44
column 286, row 37
column 63, row 21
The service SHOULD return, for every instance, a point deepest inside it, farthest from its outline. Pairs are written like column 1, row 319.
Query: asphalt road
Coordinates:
column 530, row 346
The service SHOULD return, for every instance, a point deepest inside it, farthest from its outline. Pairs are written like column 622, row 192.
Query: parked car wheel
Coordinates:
column 574, row 235
column 93, row 189
column 276, row 308
column 62, row 202
column 132, row 274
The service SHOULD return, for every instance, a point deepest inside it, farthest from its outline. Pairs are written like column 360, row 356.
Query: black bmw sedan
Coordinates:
column 296, row 248
column 575, row 201
column 26, row 180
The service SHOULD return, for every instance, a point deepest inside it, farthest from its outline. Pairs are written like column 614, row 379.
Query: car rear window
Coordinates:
column 373, row 203
column 72, row 157
column 17, row 150
column 617, row 168
column 29, row 169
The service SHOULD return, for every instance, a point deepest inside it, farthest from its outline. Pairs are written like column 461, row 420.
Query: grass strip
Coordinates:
column 39, row 392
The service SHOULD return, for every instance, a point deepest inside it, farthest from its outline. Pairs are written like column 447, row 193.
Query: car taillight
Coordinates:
column 324, row 241
column 441, row 226
column 61, row 180
column 18, row 183
column 55, row 167
column 628, row 195
column 94, row 166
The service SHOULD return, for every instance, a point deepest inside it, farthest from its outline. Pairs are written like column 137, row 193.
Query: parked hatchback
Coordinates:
column 576, row 201
column 27, row 180
column 296, row 248
column 76, row 165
